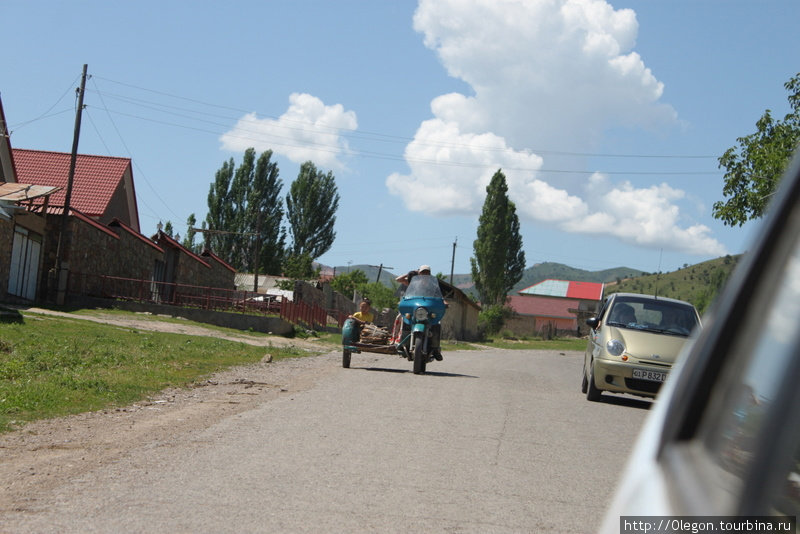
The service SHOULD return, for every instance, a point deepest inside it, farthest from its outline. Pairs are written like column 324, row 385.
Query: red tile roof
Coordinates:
column 96, row 177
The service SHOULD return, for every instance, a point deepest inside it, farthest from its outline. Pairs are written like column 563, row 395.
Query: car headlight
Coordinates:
column 615, row 347
column 421, row 314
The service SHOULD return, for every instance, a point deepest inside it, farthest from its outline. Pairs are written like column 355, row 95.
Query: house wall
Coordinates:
column 118, row 208
column 189, row 271
column 136, row 259
column 460, row 322
column 6, row 241
column 94, row 253
column 529, row 325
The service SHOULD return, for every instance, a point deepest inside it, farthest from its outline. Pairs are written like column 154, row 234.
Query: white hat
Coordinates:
column 424, row 268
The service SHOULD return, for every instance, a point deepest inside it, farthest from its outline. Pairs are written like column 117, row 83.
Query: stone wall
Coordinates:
column 97, row 251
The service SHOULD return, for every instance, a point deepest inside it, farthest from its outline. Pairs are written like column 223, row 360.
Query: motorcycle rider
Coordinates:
column 436, row 330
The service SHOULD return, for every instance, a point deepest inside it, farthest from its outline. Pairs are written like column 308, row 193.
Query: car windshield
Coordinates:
column 660, row 316
column 423, row 285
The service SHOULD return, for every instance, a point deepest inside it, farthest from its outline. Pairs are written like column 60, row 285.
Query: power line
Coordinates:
column 364, row 134
column 336, row 149
column 130, row 154
column 46, row 114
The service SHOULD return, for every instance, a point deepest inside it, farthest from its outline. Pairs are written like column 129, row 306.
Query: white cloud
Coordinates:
column 646, row 216
column 545, row 75
column 450, row 169
column 308, row 130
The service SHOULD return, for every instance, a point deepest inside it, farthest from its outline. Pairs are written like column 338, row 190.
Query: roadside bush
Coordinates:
column 492, row 318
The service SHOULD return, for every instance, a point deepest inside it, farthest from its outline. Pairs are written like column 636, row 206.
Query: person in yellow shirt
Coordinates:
column 363, row 315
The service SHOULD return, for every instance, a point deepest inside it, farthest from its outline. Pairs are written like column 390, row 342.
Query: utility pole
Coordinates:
column 64, row 235
column 258, row 252
column 380, row 270
column 453, row 261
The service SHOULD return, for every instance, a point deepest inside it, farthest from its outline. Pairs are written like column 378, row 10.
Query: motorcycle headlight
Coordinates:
column 615, row 347
column 421, row 314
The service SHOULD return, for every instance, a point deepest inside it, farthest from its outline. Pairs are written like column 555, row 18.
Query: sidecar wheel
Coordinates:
column 419, row 357
column 346, row 358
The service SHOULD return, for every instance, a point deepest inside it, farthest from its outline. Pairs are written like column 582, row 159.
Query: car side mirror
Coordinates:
column 592, row 322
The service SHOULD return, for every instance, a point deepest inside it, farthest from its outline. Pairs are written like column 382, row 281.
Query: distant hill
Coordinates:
column 698, row 284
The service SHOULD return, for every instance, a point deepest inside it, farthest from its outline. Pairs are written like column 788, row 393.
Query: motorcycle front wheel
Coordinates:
column 420, row 359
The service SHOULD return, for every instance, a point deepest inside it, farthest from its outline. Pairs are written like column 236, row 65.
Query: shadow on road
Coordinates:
column 619, row 400
column 430, row 373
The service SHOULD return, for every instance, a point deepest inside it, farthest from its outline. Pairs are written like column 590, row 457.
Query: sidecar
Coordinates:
column 415, row 335
column 351, row 343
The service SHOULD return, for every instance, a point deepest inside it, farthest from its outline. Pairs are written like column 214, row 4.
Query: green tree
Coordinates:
column 300, row 267
column 311, row 210
column 188, row 241
column 755, row 166
column 245, row 214
column 349, row 282
column 381, row 295
column 499, row 260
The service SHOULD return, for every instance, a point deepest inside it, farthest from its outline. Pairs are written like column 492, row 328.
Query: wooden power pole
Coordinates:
column 64, row 235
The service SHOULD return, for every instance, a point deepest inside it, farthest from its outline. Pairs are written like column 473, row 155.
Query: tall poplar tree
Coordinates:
column 311, row 210
column 499, row 260
column 245, row 214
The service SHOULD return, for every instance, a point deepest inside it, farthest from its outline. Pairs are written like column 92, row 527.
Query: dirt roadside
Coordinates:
column 45, row 454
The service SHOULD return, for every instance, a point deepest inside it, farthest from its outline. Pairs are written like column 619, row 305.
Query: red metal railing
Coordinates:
column 207, row 298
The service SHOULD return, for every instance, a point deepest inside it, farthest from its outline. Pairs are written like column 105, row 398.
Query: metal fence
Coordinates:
column 206, row 298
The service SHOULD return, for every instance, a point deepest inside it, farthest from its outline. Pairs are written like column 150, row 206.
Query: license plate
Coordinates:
column 644, row 374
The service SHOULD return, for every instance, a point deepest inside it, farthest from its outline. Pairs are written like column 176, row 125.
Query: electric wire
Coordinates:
column 382, row 136
column 46, row 114
column 140, row 171
column 337, row 149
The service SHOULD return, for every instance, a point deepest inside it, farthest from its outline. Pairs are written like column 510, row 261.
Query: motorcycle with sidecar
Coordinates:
column 416, row 333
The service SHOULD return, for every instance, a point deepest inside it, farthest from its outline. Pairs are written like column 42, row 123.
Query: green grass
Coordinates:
column 52, row 366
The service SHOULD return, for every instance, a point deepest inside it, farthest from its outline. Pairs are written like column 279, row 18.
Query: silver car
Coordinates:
column 634, row 342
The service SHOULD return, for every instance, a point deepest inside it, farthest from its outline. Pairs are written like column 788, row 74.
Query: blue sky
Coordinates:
column 607, row 117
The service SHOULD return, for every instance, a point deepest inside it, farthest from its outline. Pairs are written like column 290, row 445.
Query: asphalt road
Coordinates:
column 499, row 441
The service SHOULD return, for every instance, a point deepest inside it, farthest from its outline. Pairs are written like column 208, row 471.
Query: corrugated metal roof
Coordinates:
column 552, row 288
column 566, row 289
column 16, row 192
column 585, row 290
column 96, row 177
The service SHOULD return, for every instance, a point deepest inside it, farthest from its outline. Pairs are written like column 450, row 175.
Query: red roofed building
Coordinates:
column 102, row 189
column 554, row 306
